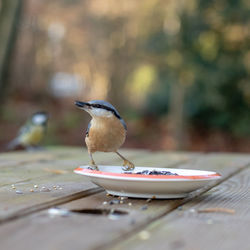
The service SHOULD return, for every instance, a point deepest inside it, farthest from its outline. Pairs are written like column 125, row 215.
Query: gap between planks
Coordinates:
column 186, row 228
column 35, row 169
column 84, row 225
column 58, row 201
column 113, row 244
column 48, row 204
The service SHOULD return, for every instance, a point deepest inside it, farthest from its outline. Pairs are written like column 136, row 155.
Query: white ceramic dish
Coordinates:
column 117, row 182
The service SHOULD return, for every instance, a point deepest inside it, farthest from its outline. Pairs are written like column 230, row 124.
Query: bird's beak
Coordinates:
column 82, row 105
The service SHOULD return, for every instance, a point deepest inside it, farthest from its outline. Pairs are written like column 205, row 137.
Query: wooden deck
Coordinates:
column 215, row 217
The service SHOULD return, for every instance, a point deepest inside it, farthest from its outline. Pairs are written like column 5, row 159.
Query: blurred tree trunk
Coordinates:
column 9, row 16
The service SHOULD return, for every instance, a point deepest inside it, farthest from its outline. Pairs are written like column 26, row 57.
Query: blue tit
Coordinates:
column 106, row 131
column 31, row 134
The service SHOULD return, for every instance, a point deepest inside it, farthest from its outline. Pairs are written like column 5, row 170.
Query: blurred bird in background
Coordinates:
column 31, row 134
column 106, row 131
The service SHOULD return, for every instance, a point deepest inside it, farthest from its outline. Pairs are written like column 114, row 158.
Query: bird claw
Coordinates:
column 127, row 165
column 93, row 167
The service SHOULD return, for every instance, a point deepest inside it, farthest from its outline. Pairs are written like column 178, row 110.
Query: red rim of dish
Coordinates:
column 188, row 177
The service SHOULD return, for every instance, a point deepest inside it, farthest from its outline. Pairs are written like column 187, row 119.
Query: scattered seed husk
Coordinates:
column 45, row 189
column 216, row 210
column 114, row 202
column 31, row 190
column 148, row 200
column 19, row 192
column 144, row 235
column 145, row 207
column 58, row 212
column 113, row 216
column 35, row 186
column 130, row 204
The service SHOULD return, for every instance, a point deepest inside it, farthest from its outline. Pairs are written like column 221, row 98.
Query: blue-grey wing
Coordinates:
column 87, row 131
column 123, row 123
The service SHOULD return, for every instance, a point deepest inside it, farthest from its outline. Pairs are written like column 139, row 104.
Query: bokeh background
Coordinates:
column 178, row 71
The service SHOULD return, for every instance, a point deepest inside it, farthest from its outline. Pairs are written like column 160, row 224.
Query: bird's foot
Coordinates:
column 93, row 166
column 127, row 165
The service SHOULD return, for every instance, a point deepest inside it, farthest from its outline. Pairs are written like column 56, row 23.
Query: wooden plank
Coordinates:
column 13, row 205
column 24, row 167
column 17, row 158
column 20, row 167
column 67, row 186
column 186, row 228
column 8, row 160
column 29, row 175
column 85, row 231
column 165, row 159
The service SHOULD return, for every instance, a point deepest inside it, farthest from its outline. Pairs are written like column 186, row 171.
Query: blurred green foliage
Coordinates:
column 210, row 57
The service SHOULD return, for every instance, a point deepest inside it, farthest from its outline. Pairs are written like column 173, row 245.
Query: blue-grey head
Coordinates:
column 100, row 108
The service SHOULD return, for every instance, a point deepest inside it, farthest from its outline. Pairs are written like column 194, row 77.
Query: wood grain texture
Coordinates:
column 186, row 228
column 25, row 176
column 20, row 167
column 86, row 231
column 19, row 158
column 35, row 172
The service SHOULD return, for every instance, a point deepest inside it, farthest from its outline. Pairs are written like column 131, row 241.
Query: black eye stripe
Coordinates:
column 106, row 108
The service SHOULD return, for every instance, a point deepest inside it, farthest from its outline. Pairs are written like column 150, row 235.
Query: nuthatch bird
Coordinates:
column 106, row 131
column 31, row 134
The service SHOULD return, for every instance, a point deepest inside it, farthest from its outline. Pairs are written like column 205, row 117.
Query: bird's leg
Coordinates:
column 92, row 163
column 127, row 165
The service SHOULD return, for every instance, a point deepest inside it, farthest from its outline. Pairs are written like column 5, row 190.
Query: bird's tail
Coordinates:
column 13, row 144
